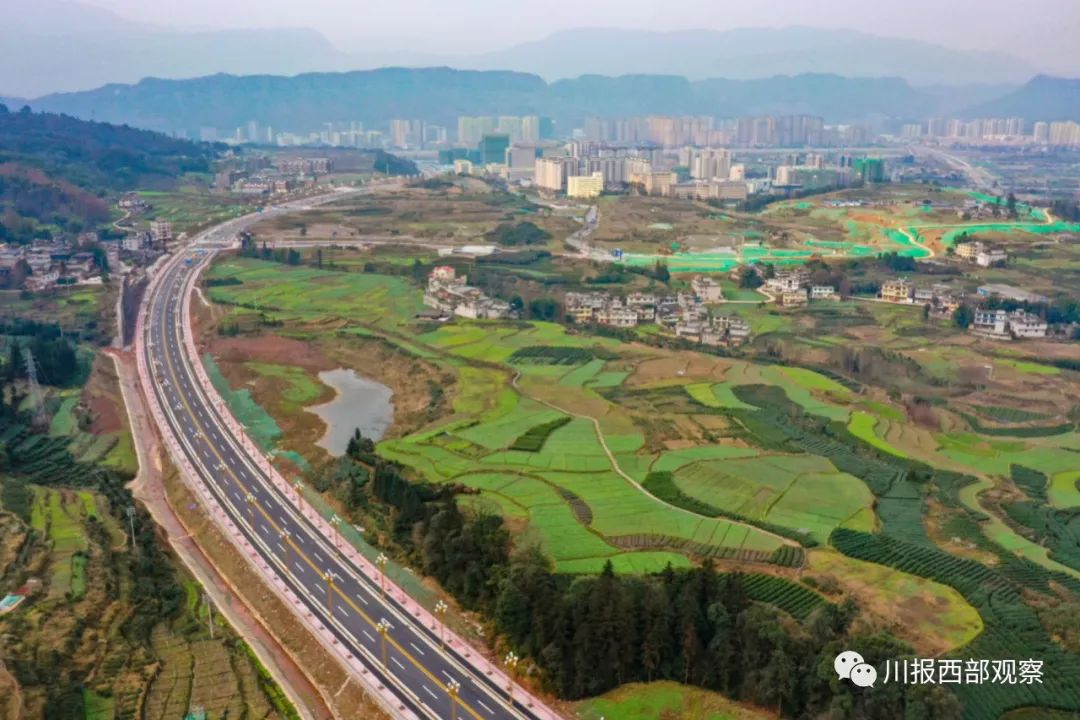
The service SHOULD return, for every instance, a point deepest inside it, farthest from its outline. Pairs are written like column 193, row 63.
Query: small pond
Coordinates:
column 358, row 403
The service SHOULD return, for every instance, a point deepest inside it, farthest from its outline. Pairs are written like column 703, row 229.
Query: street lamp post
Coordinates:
column 329, row 578
column 285, row 538
column 453, row 687
column 299, row 487
column 510, row 661
column 251, row 505
column 440, row 610
column 335, row 522
column 383, row 627
column 381, row 562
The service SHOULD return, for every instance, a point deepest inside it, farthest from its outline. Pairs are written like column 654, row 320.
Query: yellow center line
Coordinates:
column 183, row 399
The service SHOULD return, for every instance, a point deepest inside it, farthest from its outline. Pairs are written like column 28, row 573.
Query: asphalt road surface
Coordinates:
column 409, row 660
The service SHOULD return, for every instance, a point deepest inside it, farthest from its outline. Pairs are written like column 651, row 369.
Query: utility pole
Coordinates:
column 209, row 614
column 131, row 523
column 35, row 389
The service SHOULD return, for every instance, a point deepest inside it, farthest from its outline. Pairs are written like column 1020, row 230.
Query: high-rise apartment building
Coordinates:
column 709, row 163
column 471, row 129
column 1064, row 133
column 796, row 130
column 551, row 172
column 617, row 169
column 406, row 133
column 585, row 186
column 756, row 130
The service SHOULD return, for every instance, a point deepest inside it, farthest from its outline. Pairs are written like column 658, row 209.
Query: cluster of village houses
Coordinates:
column 690, row 315
column 450, row 293
column 997, row 324
column 685, row 315
column 980, row 253
column 45, row 263
column 791, row 287
column 65, row 260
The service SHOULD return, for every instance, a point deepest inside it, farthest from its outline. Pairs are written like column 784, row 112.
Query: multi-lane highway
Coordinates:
column 419, row 677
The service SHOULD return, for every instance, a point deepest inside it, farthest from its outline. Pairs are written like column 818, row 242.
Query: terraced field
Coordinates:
column 598, row 451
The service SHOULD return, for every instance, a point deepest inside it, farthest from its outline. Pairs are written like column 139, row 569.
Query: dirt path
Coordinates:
column 149, row 489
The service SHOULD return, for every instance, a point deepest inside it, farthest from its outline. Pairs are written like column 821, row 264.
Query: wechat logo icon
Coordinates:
column 845, row 661
column 849, row 665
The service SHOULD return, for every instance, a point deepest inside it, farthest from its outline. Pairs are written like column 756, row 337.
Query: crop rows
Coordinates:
column 533, row 439
column 1002, row 414
column 788, row 556
column 41, row 459
column 645, row 541
column 1032, row 482
column 582, row 511
column 1057, row 530
column 1020, row 431
column 662, row 485
column 1012, row 628
column 794, row 599
column 551, row 355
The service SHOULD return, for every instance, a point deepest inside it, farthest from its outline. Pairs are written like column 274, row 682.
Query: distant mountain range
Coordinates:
column 748, row 53
column 62, row 45
column 1044, row 98
column 56, row 45
column 440, row 95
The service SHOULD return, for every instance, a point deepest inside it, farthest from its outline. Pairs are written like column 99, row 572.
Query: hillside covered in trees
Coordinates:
column 56, row 172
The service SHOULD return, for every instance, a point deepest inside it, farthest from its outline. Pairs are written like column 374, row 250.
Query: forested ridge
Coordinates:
column 57, row 172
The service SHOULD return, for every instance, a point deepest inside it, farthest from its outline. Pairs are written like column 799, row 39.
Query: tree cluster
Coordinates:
column 587, row 635
column 523, row 233
column 55, row 358
column 251, row 249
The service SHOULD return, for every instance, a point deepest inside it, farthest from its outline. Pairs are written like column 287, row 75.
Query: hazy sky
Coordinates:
column 1045, row 32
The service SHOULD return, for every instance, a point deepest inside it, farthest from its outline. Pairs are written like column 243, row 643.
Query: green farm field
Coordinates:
column 588, row 472
column 641, row 701
column 751, row 478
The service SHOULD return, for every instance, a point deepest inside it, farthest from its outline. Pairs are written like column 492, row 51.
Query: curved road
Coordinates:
column 409, row 662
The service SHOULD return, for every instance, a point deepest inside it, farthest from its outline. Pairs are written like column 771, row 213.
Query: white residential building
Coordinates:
column 794, row 297
column 707, row 289
column 585, row 186
column 989, row 257
column 1026, row 325
column 161, row 230
column 551, row 172
column 991, row 323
